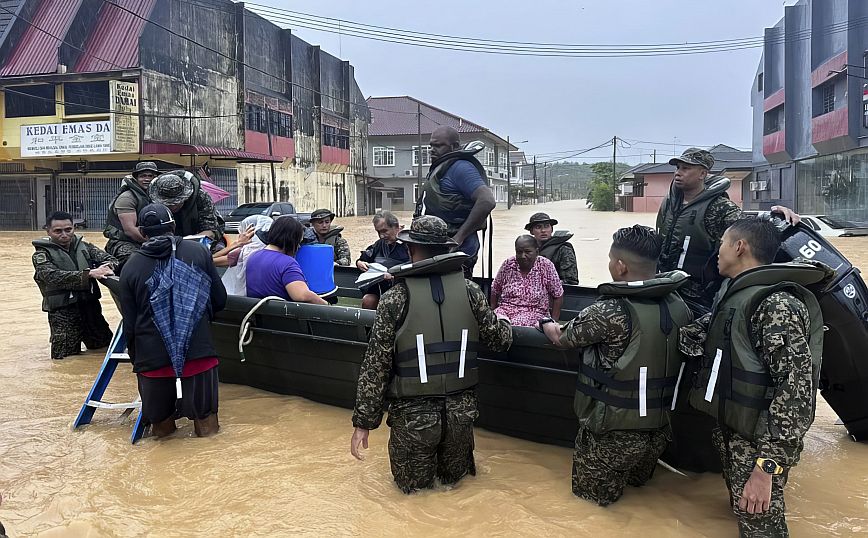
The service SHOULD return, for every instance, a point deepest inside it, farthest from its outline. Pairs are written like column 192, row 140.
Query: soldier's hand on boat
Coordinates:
column 388, row 276
column 757, row 493
column 788, row 214
column 101, row 272
column 553, row 332
column 362, row 266
column 360, row 437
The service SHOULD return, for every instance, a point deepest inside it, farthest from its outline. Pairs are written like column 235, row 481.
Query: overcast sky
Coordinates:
column 565, row 103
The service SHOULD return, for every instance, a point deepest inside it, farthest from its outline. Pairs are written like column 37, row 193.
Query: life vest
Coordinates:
column 733, row 384
column 637, row 393
column 686, row 243
column 436, row 345
column 74, row 259
column 331, row 236
column 554, row 243
column 113, row 227
column 433, row 201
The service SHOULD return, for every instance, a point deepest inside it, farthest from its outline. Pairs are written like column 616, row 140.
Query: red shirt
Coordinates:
column 191, row 368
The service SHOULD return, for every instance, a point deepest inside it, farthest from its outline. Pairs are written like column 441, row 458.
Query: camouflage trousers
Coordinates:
column 738, row 458
column 77, row 323
column 604, row 464
column 122, row 250
column 431, row 438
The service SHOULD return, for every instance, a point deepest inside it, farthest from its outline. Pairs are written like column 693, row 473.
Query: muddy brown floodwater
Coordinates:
column 281, row 465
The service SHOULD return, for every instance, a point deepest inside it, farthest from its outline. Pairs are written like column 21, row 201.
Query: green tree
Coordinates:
column 601, row 196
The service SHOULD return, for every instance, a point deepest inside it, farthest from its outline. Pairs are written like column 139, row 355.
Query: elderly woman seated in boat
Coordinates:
column 527, row 287
column 251, row 239
column 273, row 271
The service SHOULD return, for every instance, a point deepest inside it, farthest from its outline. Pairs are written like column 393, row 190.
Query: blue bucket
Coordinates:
column 318, row 265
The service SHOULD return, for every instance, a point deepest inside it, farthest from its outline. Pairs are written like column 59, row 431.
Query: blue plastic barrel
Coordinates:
column 317, row 264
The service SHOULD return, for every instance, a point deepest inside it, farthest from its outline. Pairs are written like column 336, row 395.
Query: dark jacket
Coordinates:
column 146, row 347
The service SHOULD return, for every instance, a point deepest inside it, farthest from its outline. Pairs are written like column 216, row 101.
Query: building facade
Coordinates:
column 643, row 187
column 810, row 112
column 395, row 166
column 88, row 88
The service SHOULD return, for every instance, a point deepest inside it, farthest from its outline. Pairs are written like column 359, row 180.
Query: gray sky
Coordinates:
column 565, row 103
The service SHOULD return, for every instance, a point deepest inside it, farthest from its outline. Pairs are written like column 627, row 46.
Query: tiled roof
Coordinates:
column 394, row 116
column 114, row 41
column 36, row 51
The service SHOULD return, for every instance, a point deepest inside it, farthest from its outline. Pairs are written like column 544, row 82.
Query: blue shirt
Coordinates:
column 268, row 272
column 463, row 178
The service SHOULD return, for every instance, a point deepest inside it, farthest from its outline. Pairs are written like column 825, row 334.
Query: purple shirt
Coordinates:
column 268, row 272
column 524, row 299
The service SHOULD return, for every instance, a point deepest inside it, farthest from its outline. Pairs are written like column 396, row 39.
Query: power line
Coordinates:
column 469, row 44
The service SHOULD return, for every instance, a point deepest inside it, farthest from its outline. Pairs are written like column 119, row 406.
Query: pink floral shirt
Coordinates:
column 525, row 299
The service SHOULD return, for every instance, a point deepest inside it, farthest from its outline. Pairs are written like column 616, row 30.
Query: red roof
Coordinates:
column 157, row 148
column 392, row 116
column 114, row 41
column 36, row 51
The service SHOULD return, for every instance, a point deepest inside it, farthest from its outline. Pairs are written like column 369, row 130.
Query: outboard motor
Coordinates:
column 844, row 370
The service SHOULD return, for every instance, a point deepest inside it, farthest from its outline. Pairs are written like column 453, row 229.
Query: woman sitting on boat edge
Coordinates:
column 273, row 271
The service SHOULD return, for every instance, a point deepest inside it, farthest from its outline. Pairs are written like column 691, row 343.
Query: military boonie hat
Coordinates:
column 146, row 166
column 169, row 189
column 322, row 214
column 537, row 218
column 696, row 156
column 427, row 230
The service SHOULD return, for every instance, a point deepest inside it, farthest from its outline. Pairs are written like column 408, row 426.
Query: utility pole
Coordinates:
column 508, row 176
column 545, row 181
column 275, row 196
column 535, row 195
column 419, row 149
column 614, row 177
column 655, row 156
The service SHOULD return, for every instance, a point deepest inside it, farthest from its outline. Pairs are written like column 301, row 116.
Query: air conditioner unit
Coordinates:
column 408, row 172
column 759, row 185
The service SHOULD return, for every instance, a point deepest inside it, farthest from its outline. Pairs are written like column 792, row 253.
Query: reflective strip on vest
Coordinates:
column 420, row 353
column 643, row 391
column 677, row 385
column 712, row 380
column 683, row 252
column 462, row 358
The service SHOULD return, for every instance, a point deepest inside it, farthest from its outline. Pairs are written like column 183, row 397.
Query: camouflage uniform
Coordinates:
column 779, row 330
column 566, row 264
column 121, row 250
column 430, row 437
column 604, row 464
column 342, row 251
column 81, row 321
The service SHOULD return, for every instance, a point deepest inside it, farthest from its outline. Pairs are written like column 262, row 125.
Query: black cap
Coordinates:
column 155, row 219
column 322, row 214
column 536, row 218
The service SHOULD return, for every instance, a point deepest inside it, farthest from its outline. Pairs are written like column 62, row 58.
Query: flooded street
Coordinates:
column 281, row 465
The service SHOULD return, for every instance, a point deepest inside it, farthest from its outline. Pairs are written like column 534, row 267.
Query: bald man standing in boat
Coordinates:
column 457, row 192
column 421, row 356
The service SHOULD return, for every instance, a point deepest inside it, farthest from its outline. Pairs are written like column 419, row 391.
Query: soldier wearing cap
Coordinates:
column 121, row 227
column 555, row 246
column 321, row 222
column 421, row 358
column 191, row 207
column 692, row 220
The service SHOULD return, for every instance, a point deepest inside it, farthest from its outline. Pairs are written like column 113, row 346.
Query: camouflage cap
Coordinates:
column 696, row 156
column 322, row 214
column 536, row 218
column 169, row 189
column 427, row 230
column 146, row 166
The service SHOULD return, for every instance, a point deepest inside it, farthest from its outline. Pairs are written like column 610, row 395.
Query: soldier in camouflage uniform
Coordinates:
column 759, row 436
column 619, row 442
column 192, row 207
column 431, row 400
column 320, row 221
column 555, row 246
column 67, row 268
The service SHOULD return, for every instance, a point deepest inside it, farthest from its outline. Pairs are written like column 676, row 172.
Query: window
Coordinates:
column 759, row 82
column 501, row 160
column 335, row 138
column 426, row 155
column 489, row 157
column 86, row 98
column 254, row 119
column 828, row 97
column 773, row 120
column 384, row 155
column 29, row 101
column 257, row 118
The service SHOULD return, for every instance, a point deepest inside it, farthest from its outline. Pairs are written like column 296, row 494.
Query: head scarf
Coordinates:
column 235, row 278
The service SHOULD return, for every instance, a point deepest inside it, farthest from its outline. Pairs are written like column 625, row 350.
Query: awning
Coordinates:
column 155, row 148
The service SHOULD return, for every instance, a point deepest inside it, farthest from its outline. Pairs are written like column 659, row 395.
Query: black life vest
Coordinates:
column 113, row 227
column 433, row 201
column 74, row 259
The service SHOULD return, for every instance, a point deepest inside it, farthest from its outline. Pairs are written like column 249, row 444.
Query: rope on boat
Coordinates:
column 245, row 336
